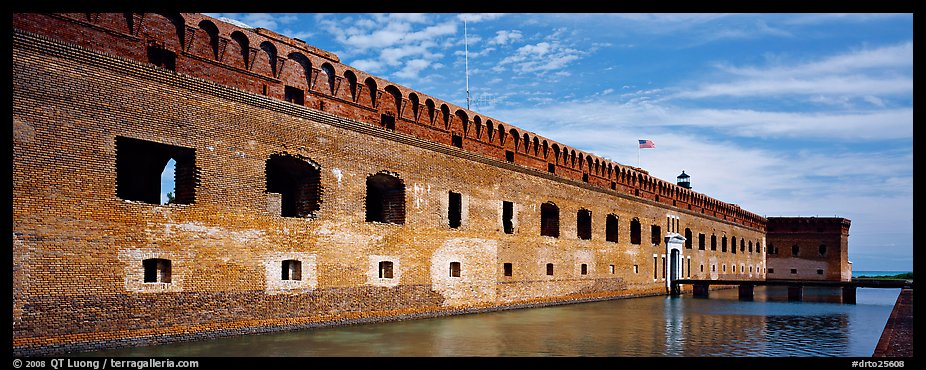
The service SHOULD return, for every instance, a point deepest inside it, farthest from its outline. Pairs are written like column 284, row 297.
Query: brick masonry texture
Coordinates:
column 84, row 82
column 822, row 246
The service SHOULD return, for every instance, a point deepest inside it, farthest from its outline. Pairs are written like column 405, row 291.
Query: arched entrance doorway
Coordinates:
column 674, row 243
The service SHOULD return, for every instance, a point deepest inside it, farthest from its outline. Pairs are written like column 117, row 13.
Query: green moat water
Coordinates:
column 651, row 326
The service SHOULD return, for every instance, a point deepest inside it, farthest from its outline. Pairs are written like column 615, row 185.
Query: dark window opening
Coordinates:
column 613, row 185
column 294, row 95
column 713, row 242
column 385, row 199
column 387, row 121
column 688, row 242
column 611, row 227
column 509, row 156
column 549, row 220
column 655, row 268
column 298, row 181
column 584, row 177
column 635, row 231
column 795, row 250
column 655, row 234
column 723, row 244
column 507, row 217
column 157, row 270
column 793, row 271
column 551, row 168
column 457, row 141
column 508, row 269
column 140, row 164
column 454, row 269
column 771, row 271
column 584, row 224
column 550, row 269
column 584, row 269
column 162, row 57
column 455, row 209
column 701, row 241
column 819, row 272
column 291, row 270
column 385, row 269
column 822, row 250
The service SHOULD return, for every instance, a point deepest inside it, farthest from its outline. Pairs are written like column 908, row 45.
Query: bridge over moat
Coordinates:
column 795, row 287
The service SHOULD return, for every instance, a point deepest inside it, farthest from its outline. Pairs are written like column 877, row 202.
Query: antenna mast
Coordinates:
column 466, row 62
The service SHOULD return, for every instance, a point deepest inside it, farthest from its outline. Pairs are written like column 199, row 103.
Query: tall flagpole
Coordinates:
column 466, row 62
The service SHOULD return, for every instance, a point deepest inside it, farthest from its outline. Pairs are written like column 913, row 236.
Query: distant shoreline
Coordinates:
column 883, row 274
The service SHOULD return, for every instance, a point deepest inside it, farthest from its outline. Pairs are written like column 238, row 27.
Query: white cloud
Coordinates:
column 413, row 68
column 479, row 17
column 368, row 65
column 541, row 57
column 891, row 56
column 870, row 74
column 504, row 37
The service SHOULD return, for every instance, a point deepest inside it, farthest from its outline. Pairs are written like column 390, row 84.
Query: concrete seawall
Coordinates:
column 897, row 338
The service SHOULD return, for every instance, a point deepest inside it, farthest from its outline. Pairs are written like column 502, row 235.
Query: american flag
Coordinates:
column 647, row 144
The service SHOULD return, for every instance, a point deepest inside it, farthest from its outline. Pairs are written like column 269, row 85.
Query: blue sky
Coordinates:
column 782, row 114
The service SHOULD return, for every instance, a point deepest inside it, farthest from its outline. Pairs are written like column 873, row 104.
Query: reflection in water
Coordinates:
column 653, row 326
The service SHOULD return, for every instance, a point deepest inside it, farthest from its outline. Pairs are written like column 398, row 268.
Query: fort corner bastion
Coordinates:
column 307, row 193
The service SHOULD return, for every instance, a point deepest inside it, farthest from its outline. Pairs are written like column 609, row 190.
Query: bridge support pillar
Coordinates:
column 747, row 292
column 676, row 289
column 701, row 290
column 795, row 293
column 848, row 294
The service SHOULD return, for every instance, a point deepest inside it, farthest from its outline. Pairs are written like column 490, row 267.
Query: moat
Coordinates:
column 769, row 326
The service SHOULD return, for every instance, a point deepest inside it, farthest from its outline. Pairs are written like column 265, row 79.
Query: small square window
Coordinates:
column 550, row 269
column 551, row 168
column 457, row 141
column 819, row 272
column 294, row 95
column 388, row 122
column 508, row 269
column 157, row 270
column 291, row 270
column 509, row 156
column 385, row 269
column 584, row 269
column 454, row 269
column 793, row 271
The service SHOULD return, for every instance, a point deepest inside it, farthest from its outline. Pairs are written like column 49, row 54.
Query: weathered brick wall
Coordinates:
column 78, row 276
column 809, row 234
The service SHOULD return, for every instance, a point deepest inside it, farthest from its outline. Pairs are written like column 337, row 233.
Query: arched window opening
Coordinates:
column 351, row 84
column 612, row 225
column 549, row 220
column 297, row 183
column 635, row 231
column 142, row 172
column 584, row 224
column 385, row 201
